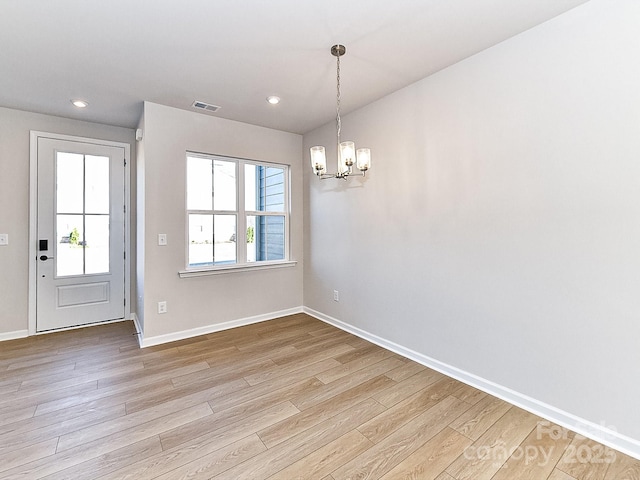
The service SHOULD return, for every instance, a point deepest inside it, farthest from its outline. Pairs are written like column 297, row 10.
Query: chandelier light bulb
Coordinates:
column 363, row 159
column 347, row 156
column 318, row 160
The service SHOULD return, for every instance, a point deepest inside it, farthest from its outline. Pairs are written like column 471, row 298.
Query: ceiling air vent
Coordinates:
column 205, row 106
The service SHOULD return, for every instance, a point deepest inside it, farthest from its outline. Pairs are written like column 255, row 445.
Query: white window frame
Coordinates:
column 241, row 220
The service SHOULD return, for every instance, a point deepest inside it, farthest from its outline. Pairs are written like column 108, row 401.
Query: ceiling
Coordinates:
column 115, row 54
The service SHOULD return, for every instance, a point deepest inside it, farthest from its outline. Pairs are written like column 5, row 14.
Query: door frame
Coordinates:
column 33, row 217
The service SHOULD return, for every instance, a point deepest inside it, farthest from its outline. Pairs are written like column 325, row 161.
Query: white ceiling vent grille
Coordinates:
column 205, row 106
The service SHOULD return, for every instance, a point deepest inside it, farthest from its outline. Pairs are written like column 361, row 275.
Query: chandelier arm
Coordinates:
column 325, row 176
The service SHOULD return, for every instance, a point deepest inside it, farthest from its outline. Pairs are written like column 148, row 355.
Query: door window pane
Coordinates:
column 70, row 240
column 96, row 180
column 69, row 182
column 96, row 244
column 82, row 187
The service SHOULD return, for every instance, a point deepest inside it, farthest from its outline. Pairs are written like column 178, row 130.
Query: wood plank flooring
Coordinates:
column 292, row 398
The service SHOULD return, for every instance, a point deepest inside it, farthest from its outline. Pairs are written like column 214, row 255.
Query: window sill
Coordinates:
column 201, row 272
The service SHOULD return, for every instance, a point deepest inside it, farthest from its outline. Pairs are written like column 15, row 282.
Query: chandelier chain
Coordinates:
column 338, row 121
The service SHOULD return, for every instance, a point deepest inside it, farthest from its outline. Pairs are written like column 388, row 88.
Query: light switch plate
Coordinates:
column 4, row 239
column 162, row 239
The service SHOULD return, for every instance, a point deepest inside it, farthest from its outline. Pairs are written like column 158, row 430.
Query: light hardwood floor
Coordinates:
column 285, row 399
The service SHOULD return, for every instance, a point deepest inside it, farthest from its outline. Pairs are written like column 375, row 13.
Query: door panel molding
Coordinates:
column 72, row 295
column 33, row 216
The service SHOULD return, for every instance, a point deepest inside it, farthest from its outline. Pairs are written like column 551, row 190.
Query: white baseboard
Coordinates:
column 597, row 432
column 13, row 335
column 136, row 323
column 172, row 337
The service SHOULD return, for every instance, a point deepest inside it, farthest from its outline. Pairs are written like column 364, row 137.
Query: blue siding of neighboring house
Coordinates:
column 270, row 229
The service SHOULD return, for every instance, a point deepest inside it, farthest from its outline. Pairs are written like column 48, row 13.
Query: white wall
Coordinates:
column 15, row 126
column 140, row 204
column 498, row 231
column 201, row 304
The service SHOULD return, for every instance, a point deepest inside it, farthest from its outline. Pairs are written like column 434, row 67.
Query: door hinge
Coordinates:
column 125, row 162
column 125, row 302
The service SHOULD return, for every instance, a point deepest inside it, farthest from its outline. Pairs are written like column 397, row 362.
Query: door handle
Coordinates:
column 44, row 257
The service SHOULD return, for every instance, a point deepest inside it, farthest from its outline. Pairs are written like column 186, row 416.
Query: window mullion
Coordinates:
column 84, row 214
column 241, row 217
column 212, row 213
column 266, row 214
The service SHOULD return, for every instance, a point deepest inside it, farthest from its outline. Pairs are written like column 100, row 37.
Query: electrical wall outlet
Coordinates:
column 4, row 239
column 336, row 296
column 162, row 307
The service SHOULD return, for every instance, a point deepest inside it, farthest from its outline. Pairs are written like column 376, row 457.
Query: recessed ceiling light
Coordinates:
column 273, row 100
column 80, row 103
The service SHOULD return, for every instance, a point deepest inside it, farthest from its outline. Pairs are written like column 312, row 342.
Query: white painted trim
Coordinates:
column 247, row 267
column 33, row 216
column 33, row 230
column 139, row 331
column 13, row 335
column 242, row 264
column 194, row 332
column 597, row 432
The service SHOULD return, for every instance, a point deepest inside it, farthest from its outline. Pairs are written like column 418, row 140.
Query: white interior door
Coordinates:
column 80, row 264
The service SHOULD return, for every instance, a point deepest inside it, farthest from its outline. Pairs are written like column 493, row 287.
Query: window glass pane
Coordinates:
column 273, row 189
column 224, row 227
column 268, row 237
column 96, row 178
column 69, row 182
column 70, row 239
column 200, row 240
column 96, row 244
column 250, row 191
column 199, row 183
column 224, row 185
column 251, row 238
column 264, row 189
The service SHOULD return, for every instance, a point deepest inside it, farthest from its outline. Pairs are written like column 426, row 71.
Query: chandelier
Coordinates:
column 347, row 154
